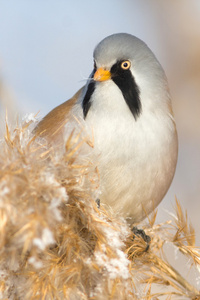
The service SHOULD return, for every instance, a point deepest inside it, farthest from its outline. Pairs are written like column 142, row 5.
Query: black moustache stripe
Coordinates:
column 126, row 83
column 86, row 104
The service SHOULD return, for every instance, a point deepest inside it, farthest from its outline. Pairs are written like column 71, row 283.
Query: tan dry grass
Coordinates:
column 55, row 243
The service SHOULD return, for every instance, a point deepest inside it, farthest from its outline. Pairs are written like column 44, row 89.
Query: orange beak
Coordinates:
column 102, row 75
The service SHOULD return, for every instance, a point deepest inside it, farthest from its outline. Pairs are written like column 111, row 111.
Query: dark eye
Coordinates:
column 126, row 65
column 95, row 65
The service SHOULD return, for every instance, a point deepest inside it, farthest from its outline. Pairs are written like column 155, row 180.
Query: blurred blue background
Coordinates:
column 46, row 46
column 46, row 52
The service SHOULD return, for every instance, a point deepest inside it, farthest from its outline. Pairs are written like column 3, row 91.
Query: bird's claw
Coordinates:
column 143, row 235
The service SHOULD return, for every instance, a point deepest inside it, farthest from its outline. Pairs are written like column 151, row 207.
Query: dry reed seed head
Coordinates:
column 185, row 230
column 55, row 243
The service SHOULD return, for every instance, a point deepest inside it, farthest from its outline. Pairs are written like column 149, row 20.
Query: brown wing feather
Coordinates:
column 52, row 125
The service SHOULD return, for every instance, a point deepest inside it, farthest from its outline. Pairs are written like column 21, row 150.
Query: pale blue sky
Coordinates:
column 46, row 46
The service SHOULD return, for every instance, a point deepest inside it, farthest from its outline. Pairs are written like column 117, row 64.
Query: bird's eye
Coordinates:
column 95, row 65
column 126, row 65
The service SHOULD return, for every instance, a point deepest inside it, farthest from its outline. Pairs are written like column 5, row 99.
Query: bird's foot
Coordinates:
column 140, row 233
column 98, row 202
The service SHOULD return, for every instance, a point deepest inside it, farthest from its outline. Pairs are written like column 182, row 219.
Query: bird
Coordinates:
column 126, row 103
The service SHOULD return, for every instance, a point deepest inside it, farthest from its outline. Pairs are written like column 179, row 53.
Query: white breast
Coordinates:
column 136, row 158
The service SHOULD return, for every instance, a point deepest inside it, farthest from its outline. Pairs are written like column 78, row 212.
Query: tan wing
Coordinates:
column 52, row 125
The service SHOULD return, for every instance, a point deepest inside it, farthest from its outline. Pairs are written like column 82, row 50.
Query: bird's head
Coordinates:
column 131, row 65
